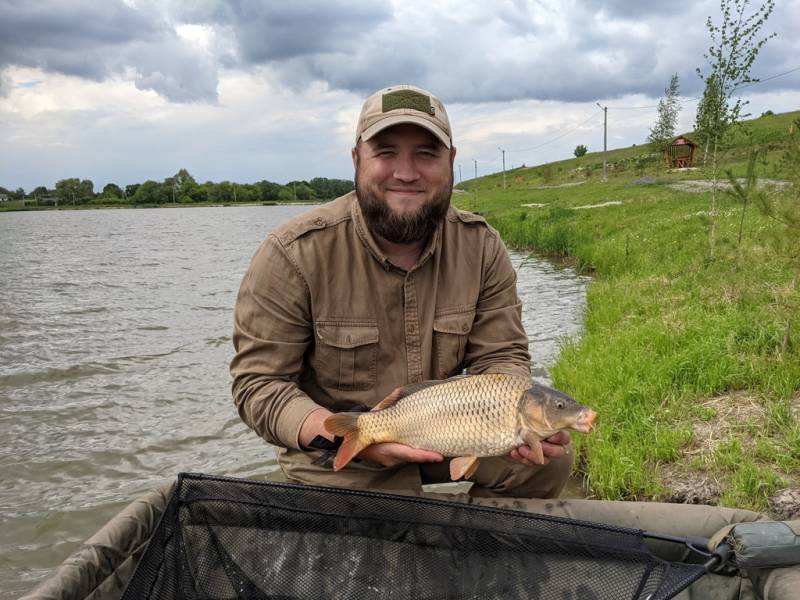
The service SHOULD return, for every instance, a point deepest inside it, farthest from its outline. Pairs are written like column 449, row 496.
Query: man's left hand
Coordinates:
column 556, row 446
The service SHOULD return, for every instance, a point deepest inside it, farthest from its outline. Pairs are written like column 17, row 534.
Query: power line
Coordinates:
column 553, row 139
column 771, row 77
column 768, row 78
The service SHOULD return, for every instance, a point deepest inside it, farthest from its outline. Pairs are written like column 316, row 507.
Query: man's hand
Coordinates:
column 387, row 455
column 313, row 426
column 391, row 454
column 556, row 446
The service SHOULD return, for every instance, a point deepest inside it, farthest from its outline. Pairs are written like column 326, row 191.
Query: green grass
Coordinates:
column 667, row 329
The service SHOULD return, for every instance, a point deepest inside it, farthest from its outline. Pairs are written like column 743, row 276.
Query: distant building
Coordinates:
column 4, row 198
column 679, row 153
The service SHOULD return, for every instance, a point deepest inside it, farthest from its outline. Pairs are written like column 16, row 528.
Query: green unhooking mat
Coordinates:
column 226, row 538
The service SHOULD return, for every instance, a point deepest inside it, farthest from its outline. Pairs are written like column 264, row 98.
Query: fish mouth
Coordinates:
column 586, row 421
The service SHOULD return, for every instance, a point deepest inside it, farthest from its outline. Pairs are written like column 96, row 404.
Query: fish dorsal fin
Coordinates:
column 411, row 388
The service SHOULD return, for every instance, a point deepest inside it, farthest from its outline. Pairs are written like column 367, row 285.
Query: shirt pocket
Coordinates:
column 346, row 355
column 450, row 334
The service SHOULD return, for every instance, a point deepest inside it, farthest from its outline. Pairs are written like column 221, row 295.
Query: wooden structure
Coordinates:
column 679, row 153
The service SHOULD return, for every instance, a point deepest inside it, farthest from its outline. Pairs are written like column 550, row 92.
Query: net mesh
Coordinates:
column 227, row 538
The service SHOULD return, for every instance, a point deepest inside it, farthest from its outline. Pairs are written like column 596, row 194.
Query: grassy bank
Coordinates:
column 681, row 355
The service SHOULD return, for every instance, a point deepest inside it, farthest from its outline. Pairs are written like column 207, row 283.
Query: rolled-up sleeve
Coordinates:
column 272, row 331
column 497, row 342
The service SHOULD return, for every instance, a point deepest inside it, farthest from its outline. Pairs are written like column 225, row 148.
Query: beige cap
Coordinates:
column 403, row 104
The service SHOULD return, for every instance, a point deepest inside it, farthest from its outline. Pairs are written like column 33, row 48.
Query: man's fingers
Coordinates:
column 523, row 455
column 391, row 454
column 553, row 450
column 561, row 438
column 415, row 455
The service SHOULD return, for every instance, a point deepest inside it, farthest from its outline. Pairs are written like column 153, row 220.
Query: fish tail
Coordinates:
column 346, row 426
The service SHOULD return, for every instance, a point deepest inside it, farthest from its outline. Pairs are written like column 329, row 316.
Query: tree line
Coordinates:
column 182, row 188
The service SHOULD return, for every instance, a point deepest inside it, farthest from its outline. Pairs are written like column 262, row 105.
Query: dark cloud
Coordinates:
column 575, row 50
column 275, row 31
column 631, row 9
column 529, row 50
column 99, row 40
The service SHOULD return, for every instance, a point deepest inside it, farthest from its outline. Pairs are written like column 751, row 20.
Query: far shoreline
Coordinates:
column 68, row 207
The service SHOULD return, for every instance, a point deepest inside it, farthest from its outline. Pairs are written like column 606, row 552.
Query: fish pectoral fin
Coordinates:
column 463, row 466
column 535, row 444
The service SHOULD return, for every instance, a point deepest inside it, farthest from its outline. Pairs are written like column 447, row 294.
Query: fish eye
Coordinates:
column 559, row 404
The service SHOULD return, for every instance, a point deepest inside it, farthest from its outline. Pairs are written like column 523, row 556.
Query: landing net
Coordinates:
column 227, row 538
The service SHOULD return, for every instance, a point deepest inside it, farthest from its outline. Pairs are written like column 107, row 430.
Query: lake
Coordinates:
column 115, row 338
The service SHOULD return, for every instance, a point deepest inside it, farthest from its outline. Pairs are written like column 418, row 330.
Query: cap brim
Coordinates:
column 400, row 119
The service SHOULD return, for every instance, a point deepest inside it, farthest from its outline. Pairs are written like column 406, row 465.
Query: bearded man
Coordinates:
column 386, row 286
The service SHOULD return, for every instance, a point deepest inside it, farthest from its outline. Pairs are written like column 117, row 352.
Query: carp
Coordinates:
column 464, row 417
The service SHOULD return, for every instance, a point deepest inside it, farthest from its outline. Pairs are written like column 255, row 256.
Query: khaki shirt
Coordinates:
column 324, row 319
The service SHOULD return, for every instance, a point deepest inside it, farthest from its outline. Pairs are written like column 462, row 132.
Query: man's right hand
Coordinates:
column 392, row 454
column 388, row 455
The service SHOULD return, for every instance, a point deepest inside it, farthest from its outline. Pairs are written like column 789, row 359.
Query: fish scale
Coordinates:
column 469, row 416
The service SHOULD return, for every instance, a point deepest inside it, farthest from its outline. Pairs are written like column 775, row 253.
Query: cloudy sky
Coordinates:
column 127, row 90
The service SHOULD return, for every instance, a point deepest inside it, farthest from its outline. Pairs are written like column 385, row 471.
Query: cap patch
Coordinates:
column 407, row 99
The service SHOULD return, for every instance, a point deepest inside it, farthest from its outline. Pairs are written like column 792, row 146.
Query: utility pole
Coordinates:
column 459, row 174
column 605, row 140
column 475, row 186
column 504, row 166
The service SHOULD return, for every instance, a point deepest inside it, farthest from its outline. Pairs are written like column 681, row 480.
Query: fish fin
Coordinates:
column 463, row 466
column 390, row 400
column 534, row 442
column 536, row 448
column 346, row 426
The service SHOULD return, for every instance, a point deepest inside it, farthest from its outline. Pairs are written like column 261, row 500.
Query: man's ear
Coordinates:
column 452, row 155
column 354, row 154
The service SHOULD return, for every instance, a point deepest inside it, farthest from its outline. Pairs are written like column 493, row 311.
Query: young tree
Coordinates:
column 735, row 45
column 662, row 132
column 709, row 115
column 580, row 150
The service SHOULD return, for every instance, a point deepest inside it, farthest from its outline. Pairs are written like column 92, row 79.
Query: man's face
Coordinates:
column 404, row 179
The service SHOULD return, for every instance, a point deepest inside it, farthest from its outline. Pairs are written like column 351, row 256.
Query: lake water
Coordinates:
column 115, row 338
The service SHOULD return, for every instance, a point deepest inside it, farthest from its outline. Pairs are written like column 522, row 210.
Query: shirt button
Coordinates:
column 465, row 328
column 319, row 221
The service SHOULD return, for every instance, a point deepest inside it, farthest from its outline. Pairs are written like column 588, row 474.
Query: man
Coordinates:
column 380, row 288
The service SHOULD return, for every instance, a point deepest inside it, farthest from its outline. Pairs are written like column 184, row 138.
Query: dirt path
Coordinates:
column 704, row 185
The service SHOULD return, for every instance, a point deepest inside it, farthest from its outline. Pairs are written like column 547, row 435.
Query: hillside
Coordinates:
column 769, row 132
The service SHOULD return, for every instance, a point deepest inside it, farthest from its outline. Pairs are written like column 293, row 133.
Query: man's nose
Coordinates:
column 405, row 168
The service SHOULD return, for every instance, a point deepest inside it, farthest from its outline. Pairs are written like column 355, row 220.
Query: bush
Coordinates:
column 580, row 150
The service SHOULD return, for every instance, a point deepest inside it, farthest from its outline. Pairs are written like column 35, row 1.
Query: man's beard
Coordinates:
column 408, row 228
